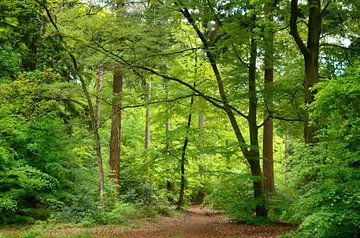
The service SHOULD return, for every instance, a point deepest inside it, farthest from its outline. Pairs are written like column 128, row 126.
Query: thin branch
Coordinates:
column 213, row 12
column 263, row 123
column 239, row 58
column 324, row 9
column 157, row 102
column 66, row 100
column 333, row 45
column 286, row 119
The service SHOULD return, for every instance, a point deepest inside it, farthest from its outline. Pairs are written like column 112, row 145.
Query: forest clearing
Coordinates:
column 114, row 112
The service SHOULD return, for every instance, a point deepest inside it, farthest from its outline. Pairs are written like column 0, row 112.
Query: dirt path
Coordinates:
column 195, row 223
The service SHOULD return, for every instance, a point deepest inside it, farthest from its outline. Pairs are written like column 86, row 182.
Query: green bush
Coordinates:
column 327, row 175
column 119, row 214
column 234, row 196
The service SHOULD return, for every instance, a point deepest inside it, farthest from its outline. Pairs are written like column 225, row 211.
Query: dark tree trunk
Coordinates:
column 268, row 158
column 183, row 158
column 253, row 156
column 311, row 57
column 115, row 138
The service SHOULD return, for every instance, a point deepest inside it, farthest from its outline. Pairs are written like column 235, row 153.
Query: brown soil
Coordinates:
column 195, row 223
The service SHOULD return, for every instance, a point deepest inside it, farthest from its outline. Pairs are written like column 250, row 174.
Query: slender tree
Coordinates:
column 181, row 200
column 99, row 87
column 201, row 125
column 147, row 118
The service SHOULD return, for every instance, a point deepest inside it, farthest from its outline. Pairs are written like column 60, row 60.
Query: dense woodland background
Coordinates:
column 119, row 109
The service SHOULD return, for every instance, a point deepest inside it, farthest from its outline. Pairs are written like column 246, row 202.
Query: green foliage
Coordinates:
column 119, row 214
column 327, row 175
column 39, row 166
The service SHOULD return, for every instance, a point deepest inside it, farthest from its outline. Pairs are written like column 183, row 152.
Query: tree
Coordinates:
column 91, row 112
column 183, row 159
column 268, row 137
column 310, row 52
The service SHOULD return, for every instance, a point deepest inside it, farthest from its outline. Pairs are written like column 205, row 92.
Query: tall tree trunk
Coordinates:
column 254, row 155
column 99, row 86
column 183, row 158
column 147, row 116
column 115, row 138
column 311, row 57
column 201, row 124
column 268, row 158
column 147, row 131
column 287, row 153
column 169, row 182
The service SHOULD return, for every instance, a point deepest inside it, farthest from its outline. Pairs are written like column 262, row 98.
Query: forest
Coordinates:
column 114, row 111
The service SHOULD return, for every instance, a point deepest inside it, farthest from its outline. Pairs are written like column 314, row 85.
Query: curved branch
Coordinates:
column 294, row 30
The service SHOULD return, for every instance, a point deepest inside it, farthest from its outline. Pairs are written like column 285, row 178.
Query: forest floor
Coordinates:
column 194, row 223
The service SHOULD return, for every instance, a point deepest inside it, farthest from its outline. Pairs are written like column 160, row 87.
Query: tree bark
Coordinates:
column 287, row 153
column 268, row 158
column 115, row 138
column 201, row 124
column 254, row 155
column 311, row 58
column 99, row 86
column 148, row 113
column 147, row 131
column 169, row 182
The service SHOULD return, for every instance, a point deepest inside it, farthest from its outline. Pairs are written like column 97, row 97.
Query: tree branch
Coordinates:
column 226, row 107
column 66, row 100
column 294, row 30
column 324, row 9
